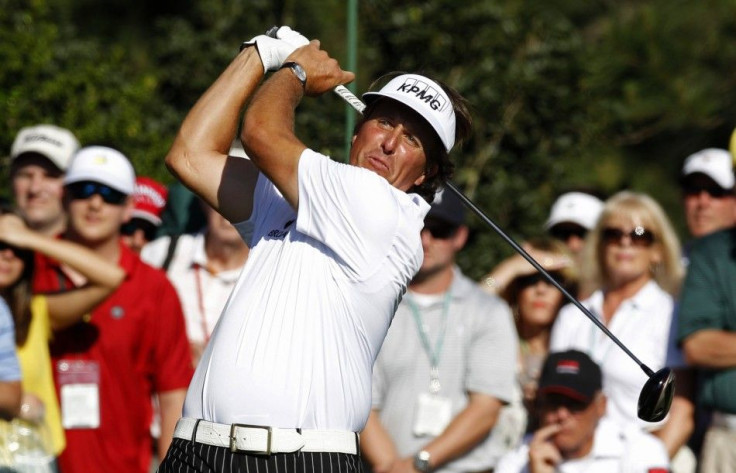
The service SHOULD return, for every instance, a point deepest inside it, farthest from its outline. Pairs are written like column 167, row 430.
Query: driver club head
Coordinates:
column 656, row 396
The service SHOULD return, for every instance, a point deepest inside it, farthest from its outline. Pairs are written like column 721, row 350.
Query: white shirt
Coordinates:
column 615, row 450
column 203, row 295
column 642, row 323
column 296, row 342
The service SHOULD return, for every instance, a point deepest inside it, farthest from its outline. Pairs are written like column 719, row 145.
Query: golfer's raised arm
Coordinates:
column 268, row 128
column 199, row 155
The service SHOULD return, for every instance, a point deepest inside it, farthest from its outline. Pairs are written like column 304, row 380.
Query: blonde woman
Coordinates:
column 632, row 256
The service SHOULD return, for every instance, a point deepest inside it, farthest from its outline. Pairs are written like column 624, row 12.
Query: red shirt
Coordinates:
column 138, row 339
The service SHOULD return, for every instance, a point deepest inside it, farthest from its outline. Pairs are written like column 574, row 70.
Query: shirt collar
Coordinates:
column 647, row 298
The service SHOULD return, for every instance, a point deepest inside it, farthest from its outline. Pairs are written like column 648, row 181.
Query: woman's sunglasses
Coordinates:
column 639, row 236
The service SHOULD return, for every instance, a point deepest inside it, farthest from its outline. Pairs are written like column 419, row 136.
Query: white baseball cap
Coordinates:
column 575, row 207
column 424, row 96
column 55, row 143
column 715, row 163
column 104, row 165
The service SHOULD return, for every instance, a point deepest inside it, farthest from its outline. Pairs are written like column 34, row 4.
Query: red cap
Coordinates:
column 150, row 199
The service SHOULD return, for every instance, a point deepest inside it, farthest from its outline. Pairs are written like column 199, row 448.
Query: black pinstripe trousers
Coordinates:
column 185, row 456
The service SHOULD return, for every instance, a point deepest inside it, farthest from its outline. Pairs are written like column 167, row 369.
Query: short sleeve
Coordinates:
column 703, row 301
column 172, row 363
column 492, row 354
column 9, row 366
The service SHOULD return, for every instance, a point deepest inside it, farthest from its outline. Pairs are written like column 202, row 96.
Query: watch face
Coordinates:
column 298, row 71
column 421, row 461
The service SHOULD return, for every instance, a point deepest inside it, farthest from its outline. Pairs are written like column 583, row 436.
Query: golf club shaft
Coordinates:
column 359, row 106
column 468, row 203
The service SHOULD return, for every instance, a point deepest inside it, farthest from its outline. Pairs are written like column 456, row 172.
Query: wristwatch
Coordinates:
column 297, row 70
column 421, row 461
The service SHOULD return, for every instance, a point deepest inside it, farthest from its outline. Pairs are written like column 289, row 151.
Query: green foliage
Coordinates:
column 564, row 94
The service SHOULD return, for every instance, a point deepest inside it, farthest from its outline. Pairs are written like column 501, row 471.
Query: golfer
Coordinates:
column 285, row 382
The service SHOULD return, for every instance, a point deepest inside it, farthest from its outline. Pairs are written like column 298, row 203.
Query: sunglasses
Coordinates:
column 533, row 279
column 440, row 230
column 694, row 190
column 564, row 232
column 553, row 401
column 86, row 189
column 639, row 236
column 135, row 224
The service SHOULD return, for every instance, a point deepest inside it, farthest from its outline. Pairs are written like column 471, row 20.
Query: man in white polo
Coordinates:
column 285, row 382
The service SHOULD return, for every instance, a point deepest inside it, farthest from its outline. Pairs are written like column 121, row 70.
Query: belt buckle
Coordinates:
column 233, row 440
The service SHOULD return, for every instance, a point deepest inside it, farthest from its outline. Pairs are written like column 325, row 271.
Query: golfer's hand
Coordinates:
column 273, row 51
column 323, row 72
column 543, row 455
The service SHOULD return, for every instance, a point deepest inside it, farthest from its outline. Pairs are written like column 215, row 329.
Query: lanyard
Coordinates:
column 432, row 354
column 200, row 304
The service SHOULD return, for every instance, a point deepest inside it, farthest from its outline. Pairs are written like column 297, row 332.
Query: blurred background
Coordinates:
column 565, row 94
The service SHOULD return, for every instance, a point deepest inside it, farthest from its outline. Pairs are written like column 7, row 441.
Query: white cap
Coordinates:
column 575, row 207
column 427, row 98
column 714, row 163
column 104, row 165
column 55, row 143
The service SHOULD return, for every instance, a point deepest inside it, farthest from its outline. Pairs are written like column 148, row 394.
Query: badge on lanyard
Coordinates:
column 79, row 385
column 433, row 412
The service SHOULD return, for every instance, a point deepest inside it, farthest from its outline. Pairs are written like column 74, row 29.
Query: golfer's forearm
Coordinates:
column 711, row 349
column 268, row 132
column 211, row 124
column 269, row 120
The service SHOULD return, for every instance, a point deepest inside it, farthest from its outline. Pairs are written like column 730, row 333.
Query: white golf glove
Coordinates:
column 274, row 51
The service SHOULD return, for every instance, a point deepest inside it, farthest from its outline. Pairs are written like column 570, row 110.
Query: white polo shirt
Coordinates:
column 642, row 323
column 296, row 342
column 615, row 450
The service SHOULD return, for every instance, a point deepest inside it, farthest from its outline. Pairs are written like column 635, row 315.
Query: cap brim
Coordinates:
column 142, row 214
column 100, row 178
column 567, row 392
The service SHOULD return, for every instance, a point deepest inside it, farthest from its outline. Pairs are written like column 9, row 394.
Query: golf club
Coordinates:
column 656, row 395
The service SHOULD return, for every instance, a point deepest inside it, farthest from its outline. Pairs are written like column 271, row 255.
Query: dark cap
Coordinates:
column 447, row 207
column 571, row 373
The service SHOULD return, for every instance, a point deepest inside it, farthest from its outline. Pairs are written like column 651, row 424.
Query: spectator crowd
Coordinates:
column 112, row 284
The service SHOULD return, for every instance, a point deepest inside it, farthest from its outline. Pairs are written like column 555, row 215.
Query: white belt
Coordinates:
column 724, row 420
column 265, row 440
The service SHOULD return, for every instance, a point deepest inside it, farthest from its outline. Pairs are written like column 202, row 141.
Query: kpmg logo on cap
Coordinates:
column 424, row 92
column 568, row 367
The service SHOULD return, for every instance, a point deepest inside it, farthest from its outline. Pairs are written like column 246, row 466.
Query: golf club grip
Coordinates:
column 340, row 90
